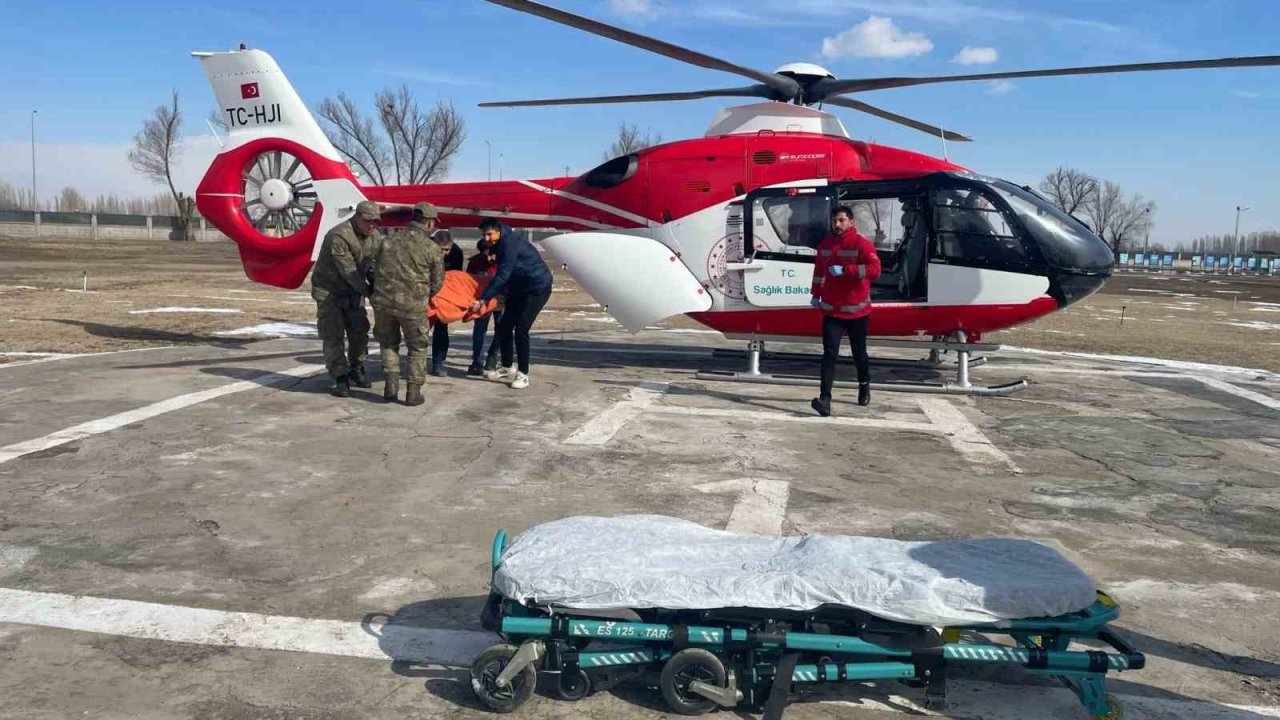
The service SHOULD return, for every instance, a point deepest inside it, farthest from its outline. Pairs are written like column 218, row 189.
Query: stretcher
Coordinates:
column 702, row 658
column 453, row 302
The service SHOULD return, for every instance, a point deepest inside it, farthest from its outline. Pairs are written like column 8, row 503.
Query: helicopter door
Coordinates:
column 783, row 229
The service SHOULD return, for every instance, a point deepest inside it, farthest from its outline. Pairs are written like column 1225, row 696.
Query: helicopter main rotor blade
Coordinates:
column 751, row 91
column 824, row 89
column 786, row 87
column 901, row 120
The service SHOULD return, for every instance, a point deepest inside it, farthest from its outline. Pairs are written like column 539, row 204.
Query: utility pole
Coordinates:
column 500, row 156
column 35, row 196
column 489, row 155
column 1235, row 244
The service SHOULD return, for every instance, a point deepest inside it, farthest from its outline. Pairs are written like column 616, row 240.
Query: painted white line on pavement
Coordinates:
column 50, row 357
column 174, row 623
column 963, row 435
column 1227, row 387
column 781, row 417
column 995, row 701
column 601, row 428
column 107, row 424
column 761, row 505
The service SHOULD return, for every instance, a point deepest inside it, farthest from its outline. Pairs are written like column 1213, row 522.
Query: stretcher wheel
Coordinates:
column 573, row 686
column 484, row 672
column 681, row 670
column 1115, row 711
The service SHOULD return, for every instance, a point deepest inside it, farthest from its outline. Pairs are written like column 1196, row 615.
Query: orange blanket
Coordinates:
column 454, row 300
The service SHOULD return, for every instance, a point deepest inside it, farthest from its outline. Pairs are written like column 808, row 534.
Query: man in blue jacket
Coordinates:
column 526, row 281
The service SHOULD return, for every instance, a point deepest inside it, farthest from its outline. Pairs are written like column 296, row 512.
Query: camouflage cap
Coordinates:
column 426, row 210
column 368, row 210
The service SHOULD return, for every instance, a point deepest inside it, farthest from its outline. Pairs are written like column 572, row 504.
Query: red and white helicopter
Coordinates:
column 721, row 228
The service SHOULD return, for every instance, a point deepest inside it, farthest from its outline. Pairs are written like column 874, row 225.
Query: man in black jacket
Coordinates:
column 526, row 281
column 453, row 260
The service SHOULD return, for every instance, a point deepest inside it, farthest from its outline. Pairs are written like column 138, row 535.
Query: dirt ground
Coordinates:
column 143, row 294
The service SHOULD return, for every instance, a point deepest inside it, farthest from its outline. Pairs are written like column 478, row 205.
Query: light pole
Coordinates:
column 500, row 156
column 489, row 155
column 35, row 196
column 1235, row 244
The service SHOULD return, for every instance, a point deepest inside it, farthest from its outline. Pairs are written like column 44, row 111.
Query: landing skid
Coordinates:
column 961, row 386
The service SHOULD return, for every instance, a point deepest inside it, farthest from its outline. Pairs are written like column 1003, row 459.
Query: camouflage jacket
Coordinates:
column 409, row 270
column 344, row 264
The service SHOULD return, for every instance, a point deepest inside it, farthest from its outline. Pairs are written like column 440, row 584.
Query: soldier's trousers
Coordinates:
column 389, row 327
column 343, row 327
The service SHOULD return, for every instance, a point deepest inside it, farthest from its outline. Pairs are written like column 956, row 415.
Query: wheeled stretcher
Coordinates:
column 702, row 658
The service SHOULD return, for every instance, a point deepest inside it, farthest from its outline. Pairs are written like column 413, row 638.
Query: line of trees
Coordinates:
column 1122, row 222
column 1266, row 241
column 70, row 199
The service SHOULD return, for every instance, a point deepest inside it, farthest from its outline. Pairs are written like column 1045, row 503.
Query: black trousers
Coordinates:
column 833, row 332
column 439, row 343
column 514, row 326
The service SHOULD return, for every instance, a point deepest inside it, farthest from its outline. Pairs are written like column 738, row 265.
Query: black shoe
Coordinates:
column 864, row 393
column 340, row 388
column 358, row 378
column 476, row 369
column 821, row 405
column 437, row 370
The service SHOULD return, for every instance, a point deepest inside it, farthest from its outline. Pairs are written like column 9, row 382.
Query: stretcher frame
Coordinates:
column 763, row 655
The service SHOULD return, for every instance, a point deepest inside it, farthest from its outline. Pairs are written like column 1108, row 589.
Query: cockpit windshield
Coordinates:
column 1064, row 242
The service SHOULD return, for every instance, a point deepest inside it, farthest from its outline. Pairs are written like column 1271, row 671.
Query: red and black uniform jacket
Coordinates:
column 848, row 295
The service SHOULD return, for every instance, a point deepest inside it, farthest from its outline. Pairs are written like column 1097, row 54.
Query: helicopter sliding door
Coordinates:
column 891, row 214
column 782, row 230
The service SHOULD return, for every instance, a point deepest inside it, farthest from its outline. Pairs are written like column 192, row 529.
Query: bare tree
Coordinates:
column 1131, row 222
column 70, row 200
column 1070, row 189
column 876, row 212
column 16, row 198
column 405, row 146
column 630, row 139
column 155, row 152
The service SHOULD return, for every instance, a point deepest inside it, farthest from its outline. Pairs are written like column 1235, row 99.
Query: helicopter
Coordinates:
column 721, row 228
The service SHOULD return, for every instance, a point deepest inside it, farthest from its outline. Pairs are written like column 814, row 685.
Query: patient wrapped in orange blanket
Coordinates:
column 453, row 302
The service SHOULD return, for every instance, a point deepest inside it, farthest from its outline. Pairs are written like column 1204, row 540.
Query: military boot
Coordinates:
column 864, row 393
column 413, row 396
column 340, row 388
column 358, row 378
column 391, row 389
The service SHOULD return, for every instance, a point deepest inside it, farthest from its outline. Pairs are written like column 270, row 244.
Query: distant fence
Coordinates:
column 101, row 226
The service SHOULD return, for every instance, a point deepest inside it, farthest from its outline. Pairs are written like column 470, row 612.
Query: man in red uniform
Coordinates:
column 842, row 275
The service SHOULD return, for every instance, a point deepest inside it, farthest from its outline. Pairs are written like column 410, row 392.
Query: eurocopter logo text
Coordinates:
column 814, row 156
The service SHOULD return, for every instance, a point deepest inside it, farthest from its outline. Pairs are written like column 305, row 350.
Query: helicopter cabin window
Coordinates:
column 891, row 218
column 971, row 229
column 792, row 224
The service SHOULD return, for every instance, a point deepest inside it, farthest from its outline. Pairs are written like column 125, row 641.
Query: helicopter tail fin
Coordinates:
column 278, row 184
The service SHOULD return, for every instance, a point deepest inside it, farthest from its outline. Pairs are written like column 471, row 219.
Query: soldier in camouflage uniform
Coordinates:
column 409, row 270
column 339, row 285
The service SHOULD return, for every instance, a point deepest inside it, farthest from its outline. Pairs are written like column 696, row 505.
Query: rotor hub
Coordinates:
column 276, row 194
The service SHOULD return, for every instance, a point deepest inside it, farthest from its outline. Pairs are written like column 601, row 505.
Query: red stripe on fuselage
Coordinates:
column 887, row 319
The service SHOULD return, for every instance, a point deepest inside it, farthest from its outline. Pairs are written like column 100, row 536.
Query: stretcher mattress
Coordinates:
column 653, row 561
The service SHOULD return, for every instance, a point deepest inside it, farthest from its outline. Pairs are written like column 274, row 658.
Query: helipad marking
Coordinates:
column 119, row 420
column 601, row 428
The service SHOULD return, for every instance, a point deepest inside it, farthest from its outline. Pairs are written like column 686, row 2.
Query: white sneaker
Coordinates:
column 521, row 382
column 502, row 374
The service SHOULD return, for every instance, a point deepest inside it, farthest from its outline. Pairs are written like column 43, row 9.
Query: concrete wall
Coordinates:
column 86, row 226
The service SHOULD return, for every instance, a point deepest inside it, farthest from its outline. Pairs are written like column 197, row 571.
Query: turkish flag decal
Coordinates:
column 249, row 91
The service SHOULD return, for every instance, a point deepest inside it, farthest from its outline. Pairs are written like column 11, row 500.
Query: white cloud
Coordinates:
column 875, row 37
column 976, row 56
column 1000, row 87
column 1247, row 94
column 100, row 168
column 633, row 8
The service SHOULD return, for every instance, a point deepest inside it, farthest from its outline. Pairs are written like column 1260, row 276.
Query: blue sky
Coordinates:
column 1197, row 142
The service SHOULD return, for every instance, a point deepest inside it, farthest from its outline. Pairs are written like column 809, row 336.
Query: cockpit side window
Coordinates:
column 971, row 229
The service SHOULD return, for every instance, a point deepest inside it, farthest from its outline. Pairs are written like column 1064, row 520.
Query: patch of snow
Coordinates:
column 215, row 311
column 273, row 330
column 1255, row 325
column 1138, row 359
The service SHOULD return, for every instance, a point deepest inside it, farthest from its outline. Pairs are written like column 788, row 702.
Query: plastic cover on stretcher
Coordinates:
column 653, row 561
